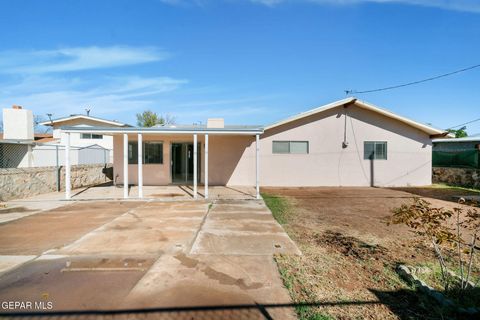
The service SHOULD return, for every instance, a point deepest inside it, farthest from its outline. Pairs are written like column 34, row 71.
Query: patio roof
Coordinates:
column 170, row 129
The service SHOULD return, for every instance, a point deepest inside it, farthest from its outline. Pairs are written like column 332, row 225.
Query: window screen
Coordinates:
column 376, row 150
column 290, row 147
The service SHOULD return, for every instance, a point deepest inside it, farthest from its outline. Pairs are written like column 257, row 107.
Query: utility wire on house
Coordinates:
column 347, row 92
column 463, row 124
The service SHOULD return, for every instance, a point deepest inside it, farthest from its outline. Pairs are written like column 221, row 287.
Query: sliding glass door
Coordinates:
column 182, row 162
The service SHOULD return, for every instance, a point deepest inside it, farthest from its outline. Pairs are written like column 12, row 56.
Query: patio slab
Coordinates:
column 133, row 254
column 55, row 228
column 242, row 228
column 153, row 228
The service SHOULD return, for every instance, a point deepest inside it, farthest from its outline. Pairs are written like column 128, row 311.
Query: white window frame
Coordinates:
column 89, row 136
column 375, row 149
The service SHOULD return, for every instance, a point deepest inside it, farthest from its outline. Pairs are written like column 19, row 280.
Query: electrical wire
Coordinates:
column 414, row 82
column 463, row 124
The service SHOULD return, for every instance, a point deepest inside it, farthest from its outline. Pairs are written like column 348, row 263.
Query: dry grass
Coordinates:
column 349, row 254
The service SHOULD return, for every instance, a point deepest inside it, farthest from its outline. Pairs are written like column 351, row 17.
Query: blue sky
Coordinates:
column 251, row 62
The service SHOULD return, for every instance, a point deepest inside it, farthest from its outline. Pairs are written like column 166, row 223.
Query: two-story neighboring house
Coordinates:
column 83, row 139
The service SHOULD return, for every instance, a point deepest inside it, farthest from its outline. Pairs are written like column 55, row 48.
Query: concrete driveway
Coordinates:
column 110, row 255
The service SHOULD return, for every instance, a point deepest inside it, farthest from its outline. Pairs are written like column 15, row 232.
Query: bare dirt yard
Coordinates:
column 350, row 253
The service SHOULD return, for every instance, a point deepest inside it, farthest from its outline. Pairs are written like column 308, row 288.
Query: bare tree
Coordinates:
column 37, row 127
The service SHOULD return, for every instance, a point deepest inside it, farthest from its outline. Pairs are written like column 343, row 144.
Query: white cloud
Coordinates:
column 63, row 96
column 76, row 59
column 41, row 80
column 459, row 5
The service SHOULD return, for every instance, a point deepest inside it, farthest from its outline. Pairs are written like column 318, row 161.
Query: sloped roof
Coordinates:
column 204, row 126
column 364, row 105
column 82, row 116
column 180, row 129
column 37, row 137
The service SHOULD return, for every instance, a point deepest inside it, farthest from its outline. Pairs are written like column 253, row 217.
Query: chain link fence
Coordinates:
column 17, row 155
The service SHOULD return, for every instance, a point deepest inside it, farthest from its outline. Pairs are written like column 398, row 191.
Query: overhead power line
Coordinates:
column 414, row 82
column 464, row 124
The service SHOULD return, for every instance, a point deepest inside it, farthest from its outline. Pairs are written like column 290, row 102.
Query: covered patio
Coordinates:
column 177, row 159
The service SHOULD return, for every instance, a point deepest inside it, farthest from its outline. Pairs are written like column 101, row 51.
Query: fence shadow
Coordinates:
column 404, row 303
column 238, row 311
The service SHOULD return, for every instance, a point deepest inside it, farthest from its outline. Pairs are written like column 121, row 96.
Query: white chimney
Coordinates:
column 17, row 123
column 217, row 123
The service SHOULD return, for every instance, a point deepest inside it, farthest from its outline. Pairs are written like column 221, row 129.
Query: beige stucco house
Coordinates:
column 83, row 139
column 345, row 143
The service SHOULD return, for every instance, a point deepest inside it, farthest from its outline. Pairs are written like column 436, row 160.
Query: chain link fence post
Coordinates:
column 57, row 169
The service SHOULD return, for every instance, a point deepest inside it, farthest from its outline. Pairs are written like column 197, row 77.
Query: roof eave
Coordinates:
column 52, row 122
column 133, row 130
column 427, row 129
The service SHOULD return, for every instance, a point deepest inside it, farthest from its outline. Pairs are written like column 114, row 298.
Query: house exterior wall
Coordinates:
column 76, row 138
column 227, row 160
column 329, row 164
column 232, row 158
column 153, row 174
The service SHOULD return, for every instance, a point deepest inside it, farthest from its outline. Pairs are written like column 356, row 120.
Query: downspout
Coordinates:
column 345, row 106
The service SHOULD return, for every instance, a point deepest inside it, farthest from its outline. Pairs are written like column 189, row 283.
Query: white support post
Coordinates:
column 140, row 166
column 206, row 166
column 195, row 166
column 125, row 165
column 257, row 167
column 67, row 168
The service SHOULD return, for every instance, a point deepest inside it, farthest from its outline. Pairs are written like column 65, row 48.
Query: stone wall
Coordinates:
column 462, row 177
column 17, row 183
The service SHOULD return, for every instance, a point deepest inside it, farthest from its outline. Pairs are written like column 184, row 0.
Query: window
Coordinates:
column 132, row 152
column 375, row 150
column 281, row 147
column 152, row 152
column 91, row 136
column 299, row 147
